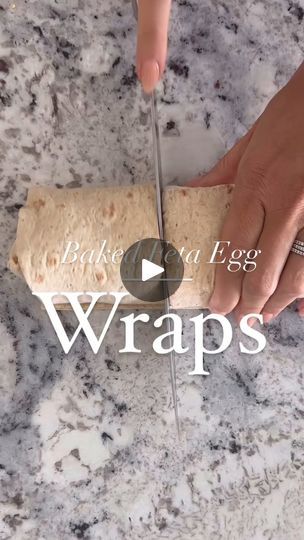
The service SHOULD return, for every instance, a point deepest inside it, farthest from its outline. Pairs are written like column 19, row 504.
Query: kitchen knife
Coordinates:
column 160, row 219
column 159, row 207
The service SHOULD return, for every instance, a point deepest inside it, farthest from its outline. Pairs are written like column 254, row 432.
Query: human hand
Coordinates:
column 267, row 210
column 152, row 35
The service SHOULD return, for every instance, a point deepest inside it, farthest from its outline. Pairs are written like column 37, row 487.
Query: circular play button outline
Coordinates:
column 151, row 269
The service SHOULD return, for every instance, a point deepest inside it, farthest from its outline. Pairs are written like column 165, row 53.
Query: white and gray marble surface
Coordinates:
column 88, row 447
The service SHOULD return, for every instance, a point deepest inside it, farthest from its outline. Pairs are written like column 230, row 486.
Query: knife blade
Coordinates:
column 160, row 218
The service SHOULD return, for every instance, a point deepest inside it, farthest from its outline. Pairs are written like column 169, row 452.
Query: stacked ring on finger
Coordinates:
column 298, row 247
column 291, row 283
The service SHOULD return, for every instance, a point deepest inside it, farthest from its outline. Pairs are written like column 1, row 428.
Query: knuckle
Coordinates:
column 296, row 285
column 260, row 284
column 224, row 163
column 253, row 172
column 151, row 34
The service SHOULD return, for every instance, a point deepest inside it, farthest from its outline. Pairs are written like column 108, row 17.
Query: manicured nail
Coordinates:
column 251, row 321
column 267, row 317
column 149, row 75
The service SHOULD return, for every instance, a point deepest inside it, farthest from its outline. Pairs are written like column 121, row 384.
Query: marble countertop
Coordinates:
column 88, row 444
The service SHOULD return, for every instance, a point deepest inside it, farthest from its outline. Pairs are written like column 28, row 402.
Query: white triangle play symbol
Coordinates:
column 150, row 269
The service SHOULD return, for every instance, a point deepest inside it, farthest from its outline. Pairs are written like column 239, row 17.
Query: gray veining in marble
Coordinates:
column 88, row 447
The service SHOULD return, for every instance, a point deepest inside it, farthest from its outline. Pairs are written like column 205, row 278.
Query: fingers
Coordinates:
column 242, row 228
column 152, row 36
column 225, row 170
column 258, row 286
column 290, row 287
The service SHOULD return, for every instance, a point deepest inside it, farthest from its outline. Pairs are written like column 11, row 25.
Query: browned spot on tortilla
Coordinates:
column 184, row 192
column 109, row 212
column 230, row 188
column 112, row 210
column 38, row 204
column 39, row 278
column 130, row 195
column 100, row 276
column 51, row 260
column 15, row 260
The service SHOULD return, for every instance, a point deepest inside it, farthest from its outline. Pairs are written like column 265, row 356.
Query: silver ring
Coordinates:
column 298, row 243
column 295, row 249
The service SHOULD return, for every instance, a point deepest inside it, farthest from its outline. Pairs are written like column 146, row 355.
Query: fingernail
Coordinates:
column 267, row 317
column 149, row 75
column 251, row 321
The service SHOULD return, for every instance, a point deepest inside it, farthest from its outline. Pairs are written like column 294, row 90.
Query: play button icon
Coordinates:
column 151, row 270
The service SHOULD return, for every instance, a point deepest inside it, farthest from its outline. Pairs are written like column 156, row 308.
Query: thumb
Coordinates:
column 152, row 37
column 224, row 172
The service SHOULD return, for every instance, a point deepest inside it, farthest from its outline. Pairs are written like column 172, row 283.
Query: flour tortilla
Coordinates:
column 120, row 215
column 52, row 217
column 193, row 219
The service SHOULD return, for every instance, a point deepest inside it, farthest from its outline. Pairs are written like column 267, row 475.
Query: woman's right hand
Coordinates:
column 152, row 37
